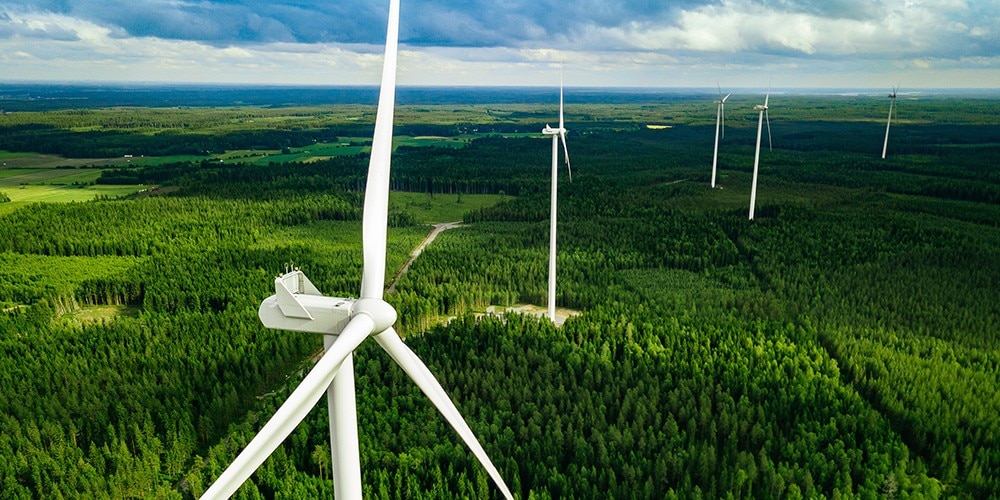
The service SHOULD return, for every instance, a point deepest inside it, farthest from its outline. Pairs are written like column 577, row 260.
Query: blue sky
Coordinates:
column 658, row 43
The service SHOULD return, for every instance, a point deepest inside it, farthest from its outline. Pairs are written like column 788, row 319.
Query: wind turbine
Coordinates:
column 892, row 104
column 720, row 124
column 557, row 135
column 762, row 108
column 345, row 323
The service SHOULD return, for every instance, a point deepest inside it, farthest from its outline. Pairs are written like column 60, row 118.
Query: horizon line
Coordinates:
column 713, row 88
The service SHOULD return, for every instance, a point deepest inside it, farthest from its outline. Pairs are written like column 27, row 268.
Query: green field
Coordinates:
column 62, row 176
column 32, row 160
column 25, row 195
column 31, row 178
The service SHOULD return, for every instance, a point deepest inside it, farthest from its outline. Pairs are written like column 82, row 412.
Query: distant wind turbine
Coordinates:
column 762, row 108
column 892, row 105
column 557, row 135
column 345, row 323
column 720, row 125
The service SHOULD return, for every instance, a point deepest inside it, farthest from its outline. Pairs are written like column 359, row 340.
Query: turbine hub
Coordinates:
column 383, row 314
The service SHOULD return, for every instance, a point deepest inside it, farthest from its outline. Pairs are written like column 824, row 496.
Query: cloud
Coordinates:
column 808, row 27
column 786, row 28
column 56, row 46
column 833, row 9
column 425, row 22
column 32, row 27
column 636, row 41
column 223, row 22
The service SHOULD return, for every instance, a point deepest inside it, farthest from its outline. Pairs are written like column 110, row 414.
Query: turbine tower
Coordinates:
column 557, row 135
column 720, row 124
column 762, row 108
column 892, row 105
column 345, row 323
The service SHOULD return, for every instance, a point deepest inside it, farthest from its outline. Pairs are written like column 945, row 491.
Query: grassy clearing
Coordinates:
column 96, row 314
column 440, row 207
column 31, row 178
column 144, row 161
column 18, row 176
column 11, row 172
column 35, row 160
column 85, row 176
column 22, row 195
column 430, row 141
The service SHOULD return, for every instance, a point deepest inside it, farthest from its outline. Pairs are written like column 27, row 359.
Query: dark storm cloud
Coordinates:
column 831, row 9
column 515, row 22
column 585, row 25
column 235, row 22
column 425, row 22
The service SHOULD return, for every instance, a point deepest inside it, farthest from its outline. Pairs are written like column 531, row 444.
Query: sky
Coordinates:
column 602, row 43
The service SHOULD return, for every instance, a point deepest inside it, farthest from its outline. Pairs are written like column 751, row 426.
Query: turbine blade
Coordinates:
column 562, row 135
column 292, row 411
column 768, row 95
column 561, row 122
column 376, row 209
column 424, row 379
column 768, row 120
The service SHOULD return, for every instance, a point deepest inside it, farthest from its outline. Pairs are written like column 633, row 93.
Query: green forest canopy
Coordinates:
column 842, row 344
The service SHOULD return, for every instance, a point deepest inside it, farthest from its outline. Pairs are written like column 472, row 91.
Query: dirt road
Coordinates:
column 438, row 229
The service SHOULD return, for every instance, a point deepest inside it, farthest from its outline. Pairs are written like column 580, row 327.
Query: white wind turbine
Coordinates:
column 557, row 135
column 720, row 124
column 345, row 323
column 892, row 104
column 762, row 108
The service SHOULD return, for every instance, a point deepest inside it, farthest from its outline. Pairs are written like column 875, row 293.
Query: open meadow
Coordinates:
column 844, row 343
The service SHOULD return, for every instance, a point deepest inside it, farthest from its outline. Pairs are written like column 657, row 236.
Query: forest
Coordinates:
column 842, row 344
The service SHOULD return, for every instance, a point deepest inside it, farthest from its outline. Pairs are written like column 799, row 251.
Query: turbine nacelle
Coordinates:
column 760, row 107
column 298, row 306
column 548, row 130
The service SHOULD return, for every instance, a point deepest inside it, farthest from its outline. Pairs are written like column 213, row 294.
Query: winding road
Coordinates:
column 438, row 229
